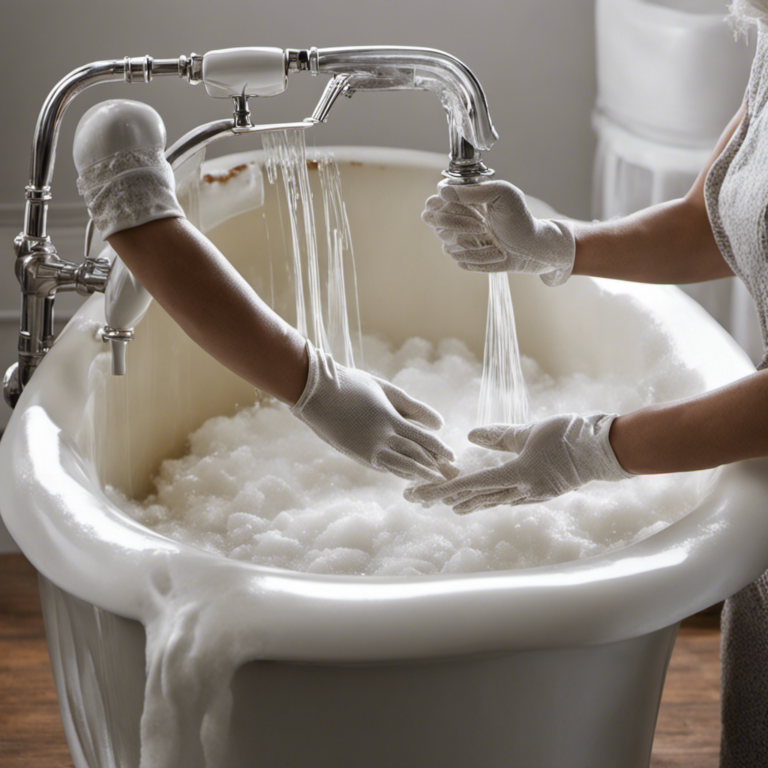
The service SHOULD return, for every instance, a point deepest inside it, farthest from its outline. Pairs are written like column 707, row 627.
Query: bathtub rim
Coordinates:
column 320, row 618
column 60, row 547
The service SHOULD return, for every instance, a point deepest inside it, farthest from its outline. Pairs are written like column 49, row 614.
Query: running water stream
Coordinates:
column 322, row 312
column 327, row 316
column 503, row 391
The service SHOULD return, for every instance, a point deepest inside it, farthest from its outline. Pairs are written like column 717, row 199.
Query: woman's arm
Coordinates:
column 370, row 420
column 488, row 227
column 668, row 243
column 719, row 427
column 564, row 452
column 208, row 298
column 128, row 186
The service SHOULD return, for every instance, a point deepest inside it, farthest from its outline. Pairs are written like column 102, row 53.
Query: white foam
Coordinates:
column 262, row 488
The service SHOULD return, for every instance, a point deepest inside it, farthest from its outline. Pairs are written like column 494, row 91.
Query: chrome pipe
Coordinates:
column 198, row 138
column 209, row 133
column 130, row 70
column 49, row 122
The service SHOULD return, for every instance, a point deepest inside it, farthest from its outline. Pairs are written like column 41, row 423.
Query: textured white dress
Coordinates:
column 736, row 193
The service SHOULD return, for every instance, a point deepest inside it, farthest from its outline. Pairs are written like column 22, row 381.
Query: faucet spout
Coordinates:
column 406, row 68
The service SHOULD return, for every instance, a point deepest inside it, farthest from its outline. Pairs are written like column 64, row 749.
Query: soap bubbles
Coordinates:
column 262, row 488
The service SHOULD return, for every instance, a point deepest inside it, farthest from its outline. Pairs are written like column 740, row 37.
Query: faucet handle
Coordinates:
column 336, row 87
column 12, row 385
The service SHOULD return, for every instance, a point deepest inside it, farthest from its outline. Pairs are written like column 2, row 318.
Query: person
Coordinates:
column 129, row 190
column 720, row 228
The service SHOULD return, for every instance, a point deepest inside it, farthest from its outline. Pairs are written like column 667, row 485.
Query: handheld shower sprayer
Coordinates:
column 238, row 74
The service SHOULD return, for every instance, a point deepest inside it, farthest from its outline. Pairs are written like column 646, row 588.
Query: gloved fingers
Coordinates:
column 434, row 203
column 408, row 494
column 512, row 263
column 454, row 237
column 487, row 192
column 488, row 255
column 493, row 266
column 406, row 447
column 473, row 242
column 476, row 482
column 488, row 500
column 461, row 222
column 447, row 468
column 502, row 437
column 467, row 243
column 458, row 498
column 405, row 467
column 410, row 407
column 429, row 442
column 459, row 209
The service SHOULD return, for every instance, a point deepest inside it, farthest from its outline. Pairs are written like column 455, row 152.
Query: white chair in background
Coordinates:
column 670, row 76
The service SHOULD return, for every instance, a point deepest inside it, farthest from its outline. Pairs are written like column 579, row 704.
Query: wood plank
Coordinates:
column 31, row 734
column 688, row 729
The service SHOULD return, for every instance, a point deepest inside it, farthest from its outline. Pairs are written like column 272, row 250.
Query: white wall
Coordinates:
column 535, row 59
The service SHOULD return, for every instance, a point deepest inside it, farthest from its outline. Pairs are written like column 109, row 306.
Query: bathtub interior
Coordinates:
column 407, row 287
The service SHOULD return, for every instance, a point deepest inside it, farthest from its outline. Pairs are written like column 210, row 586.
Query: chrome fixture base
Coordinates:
column 468, row 174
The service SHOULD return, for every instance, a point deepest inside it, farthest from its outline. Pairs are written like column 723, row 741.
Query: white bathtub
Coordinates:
column 558, row 666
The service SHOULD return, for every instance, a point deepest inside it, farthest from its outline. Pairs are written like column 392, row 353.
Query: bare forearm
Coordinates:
column 209, row 299
column 670, row 243
column 720, row 427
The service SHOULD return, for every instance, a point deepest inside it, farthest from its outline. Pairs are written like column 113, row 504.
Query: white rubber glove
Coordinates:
column 372, row 421
column 556, row 455
column 119, row 152
column 487, row 227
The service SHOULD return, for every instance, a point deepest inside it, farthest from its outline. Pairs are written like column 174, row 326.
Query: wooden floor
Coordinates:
column 31, row 735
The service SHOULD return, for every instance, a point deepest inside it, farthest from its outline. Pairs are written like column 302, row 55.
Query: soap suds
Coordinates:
column 262, row 488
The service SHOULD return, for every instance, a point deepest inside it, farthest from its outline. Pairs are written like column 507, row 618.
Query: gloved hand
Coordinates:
column 119, row 152
column 372, row 421
column 487, row 227
column 556, row 455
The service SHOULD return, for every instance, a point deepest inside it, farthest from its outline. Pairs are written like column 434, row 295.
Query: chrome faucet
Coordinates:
column 238, row 74
column 390, row 68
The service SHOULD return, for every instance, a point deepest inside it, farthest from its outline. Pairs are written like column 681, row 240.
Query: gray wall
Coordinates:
column 535, row 59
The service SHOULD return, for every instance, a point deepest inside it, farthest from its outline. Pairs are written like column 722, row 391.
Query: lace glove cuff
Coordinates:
column 129, row 188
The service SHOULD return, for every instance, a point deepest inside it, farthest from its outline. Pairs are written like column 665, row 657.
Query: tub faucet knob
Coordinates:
column 12, row 385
